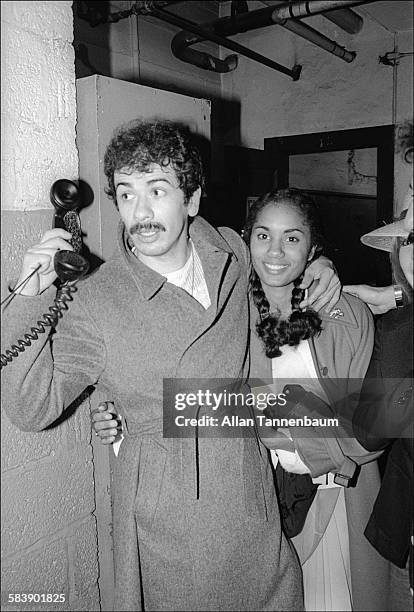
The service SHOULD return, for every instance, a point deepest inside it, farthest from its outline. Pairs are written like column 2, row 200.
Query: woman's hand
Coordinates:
column 323, row 283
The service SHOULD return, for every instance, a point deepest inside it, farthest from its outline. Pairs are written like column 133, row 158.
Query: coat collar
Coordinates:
column 206, row 239
column 205, row 236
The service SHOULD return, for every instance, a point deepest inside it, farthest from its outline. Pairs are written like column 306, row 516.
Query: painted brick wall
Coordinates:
column 48, row 527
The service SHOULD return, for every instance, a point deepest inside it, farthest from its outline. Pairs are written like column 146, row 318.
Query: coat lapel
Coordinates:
column 216, row 258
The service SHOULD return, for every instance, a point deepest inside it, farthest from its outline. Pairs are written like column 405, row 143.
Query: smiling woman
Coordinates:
column 283, row 232
column 322, row 357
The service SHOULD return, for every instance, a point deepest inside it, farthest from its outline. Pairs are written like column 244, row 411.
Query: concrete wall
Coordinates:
column 330, row 94
column 48, row 527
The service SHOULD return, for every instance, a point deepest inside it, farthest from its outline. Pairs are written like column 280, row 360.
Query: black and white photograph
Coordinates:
column 207, row 305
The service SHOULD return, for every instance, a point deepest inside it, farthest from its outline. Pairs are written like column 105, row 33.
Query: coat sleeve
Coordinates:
column 335, row 448
column 362, row 341
column 383, row 417
column 41, row 382
column 385, row 410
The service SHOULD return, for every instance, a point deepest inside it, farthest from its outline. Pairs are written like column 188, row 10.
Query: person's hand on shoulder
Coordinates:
column 323, row 284
column 378, row 299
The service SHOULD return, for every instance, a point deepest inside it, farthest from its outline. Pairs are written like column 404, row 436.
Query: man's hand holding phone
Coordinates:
column 41, row 256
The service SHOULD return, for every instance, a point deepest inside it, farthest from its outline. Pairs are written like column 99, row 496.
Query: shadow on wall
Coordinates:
column 85, row 64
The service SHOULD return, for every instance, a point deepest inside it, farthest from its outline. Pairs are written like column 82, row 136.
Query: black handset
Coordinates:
column 70, row 266
column 64, row 195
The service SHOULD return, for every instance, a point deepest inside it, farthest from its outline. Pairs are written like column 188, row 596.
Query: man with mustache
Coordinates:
column 196, row 522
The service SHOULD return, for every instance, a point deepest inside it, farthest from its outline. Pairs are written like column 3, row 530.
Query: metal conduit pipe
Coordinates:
column 204, row 33
column 305, row 31
column 346, row 19
column 180, row 48
column 264, row 17
column 243, row 22
column 95, row 16
column 299, row 8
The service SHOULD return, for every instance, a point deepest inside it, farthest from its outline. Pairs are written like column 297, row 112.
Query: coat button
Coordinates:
column 324, row 371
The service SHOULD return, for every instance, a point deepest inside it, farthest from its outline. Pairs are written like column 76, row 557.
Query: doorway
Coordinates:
column 350, row 174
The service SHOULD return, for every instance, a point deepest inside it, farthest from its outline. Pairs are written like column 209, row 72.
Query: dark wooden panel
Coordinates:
column 243, row 174
column 345, row 218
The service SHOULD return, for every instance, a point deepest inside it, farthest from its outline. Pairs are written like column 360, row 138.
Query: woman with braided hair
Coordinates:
column 274, row 328
column 326, row 355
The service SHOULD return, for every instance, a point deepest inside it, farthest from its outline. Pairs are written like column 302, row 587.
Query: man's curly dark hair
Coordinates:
column 272, row 329
column 139, row 144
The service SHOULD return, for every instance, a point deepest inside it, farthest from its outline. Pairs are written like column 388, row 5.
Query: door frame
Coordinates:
column 279, row 149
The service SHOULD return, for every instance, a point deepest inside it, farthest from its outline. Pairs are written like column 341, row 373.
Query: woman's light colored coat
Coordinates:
column 341, row 355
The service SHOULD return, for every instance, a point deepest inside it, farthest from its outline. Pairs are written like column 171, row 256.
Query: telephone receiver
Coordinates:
column 69, row 266
column 65, row 197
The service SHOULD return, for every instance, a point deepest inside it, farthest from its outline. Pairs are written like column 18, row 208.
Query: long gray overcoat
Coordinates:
column 196, row 522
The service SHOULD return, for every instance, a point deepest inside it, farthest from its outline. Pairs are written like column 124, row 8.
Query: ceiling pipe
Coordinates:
column 244, row 22
column 299, row 8
column 94, row 15
column 345, row 18
column 205, row 33
column 180, row 48
column 305, row 31
column 264, row 17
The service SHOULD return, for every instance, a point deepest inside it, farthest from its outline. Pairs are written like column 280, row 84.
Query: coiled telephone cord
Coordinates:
column 49, row 319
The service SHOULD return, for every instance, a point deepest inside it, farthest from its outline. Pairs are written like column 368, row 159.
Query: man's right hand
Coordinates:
column 106, row 423
column 42, row 255
column 378, row 299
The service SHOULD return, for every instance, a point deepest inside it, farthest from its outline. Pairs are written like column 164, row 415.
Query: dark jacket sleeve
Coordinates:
column 50, row 374
column 385, row 412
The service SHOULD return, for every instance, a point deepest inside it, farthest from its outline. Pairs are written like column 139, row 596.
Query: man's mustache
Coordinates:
column 146, row 227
